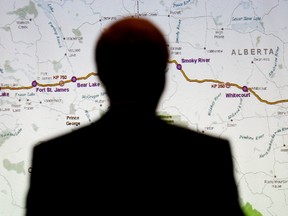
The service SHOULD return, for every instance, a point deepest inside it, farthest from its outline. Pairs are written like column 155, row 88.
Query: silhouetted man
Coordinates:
column 130, row 162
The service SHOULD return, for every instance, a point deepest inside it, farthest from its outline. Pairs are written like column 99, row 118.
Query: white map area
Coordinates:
column 227, row 76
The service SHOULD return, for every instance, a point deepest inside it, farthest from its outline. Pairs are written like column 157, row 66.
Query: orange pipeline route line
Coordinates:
column 171, row 61
column 231, row 84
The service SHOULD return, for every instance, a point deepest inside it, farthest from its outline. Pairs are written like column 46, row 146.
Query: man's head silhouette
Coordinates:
column 131, row 57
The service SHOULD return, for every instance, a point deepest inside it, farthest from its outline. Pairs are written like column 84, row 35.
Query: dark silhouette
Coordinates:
column 130, row 161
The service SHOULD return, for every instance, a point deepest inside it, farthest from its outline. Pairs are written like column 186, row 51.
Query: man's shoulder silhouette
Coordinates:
column 128, row 170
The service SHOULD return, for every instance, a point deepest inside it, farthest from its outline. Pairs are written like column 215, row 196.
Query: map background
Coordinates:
column 41, row 40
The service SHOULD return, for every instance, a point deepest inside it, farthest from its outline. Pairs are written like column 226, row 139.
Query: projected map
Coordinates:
column 227, row 76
